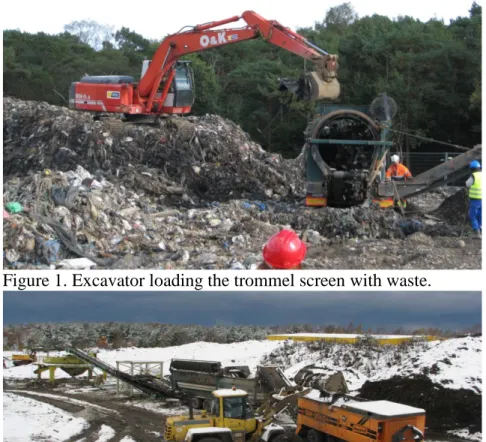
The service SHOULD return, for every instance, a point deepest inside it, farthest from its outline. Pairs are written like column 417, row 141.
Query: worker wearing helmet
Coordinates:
column 283, row 251
column 397, row 171
column 475, row 198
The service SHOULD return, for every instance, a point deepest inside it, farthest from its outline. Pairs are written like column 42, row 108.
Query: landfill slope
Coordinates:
column 193, row 193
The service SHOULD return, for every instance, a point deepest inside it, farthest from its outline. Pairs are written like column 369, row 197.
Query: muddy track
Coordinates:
column 141, row 425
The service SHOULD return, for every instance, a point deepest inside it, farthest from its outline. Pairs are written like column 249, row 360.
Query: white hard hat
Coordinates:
column 395, row 158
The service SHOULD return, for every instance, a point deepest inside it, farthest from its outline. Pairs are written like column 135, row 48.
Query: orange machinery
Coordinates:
column 167, row 84
column 357, row 420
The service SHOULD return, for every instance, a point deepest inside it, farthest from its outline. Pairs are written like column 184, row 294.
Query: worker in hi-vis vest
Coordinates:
column 397, row 171
column 474, row 186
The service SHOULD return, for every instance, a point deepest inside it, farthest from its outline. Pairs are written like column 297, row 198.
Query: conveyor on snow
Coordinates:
column 145, row 383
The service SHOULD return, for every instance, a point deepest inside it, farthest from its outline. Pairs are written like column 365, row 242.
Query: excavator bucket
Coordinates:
column 320, row 89
column 320, row 84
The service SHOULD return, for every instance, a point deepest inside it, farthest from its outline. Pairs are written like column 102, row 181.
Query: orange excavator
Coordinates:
column 167, row 82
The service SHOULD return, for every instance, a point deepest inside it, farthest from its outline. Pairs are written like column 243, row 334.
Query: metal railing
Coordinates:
column 419, row 162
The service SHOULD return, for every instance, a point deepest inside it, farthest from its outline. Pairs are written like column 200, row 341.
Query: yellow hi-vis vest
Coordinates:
column 475, row 189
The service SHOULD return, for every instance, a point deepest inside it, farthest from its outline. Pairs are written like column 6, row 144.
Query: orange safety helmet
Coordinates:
column 284, row 250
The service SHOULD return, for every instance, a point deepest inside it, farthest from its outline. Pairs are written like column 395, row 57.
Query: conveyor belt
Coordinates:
column 145, row 383
column 448, row 172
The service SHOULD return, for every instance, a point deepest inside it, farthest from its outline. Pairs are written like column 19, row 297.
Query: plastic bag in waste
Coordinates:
column 64, row 197
column 410, row 226
column 14, row 207
column 77, row 264
column 50, row 250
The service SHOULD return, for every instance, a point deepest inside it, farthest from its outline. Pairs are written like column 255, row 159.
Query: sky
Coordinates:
column 155, row 19
column 391, row 310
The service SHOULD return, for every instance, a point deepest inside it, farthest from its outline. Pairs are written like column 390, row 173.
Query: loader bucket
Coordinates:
column 336, row 384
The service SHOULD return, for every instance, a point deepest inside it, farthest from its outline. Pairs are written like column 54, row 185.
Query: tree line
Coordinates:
column 431, row 69
column 149, row 335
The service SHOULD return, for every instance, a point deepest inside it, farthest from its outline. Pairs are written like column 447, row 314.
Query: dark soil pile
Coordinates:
column 446, row 409
column 453, row 208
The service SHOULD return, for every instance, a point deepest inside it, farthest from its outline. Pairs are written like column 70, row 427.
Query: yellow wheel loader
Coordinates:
column 321, row 417
column 231, row 419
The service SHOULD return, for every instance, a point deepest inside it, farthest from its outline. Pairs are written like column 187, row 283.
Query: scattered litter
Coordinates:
column 193, row 193
column 14, row 207
column 77, row 264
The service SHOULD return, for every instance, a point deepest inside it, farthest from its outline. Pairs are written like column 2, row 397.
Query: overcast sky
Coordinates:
column 453, row 310
column 155, row 19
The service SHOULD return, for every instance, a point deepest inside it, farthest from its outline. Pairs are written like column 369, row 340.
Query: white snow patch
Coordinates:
column 26, row 419
column 128, row 439
column 458, row 361
column 384, row 408
column 7, row 363
column 105, row 434
column 157, row 407
column 239, row 353
column 229, row 392
column 347, row 335
column 465, row 434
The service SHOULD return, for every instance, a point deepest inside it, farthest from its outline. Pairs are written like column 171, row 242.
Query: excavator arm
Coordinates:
column 323, row 81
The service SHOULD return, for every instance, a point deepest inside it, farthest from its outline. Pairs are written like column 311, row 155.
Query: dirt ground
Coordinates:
column 446, row 409
column 140, row 424
column 415, row 252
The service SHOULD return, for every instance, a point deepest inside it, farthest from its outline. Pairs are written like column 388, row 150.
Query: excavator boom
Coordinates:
column 166, row 83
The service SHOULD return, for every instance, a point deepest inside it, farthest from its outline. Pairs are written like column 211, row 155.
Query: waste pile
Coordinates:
column 192, row 193
column 192, row 158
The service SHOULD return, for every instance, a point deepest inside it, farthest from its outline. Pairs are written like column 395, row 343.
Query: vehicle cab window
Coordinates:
column 237, row 408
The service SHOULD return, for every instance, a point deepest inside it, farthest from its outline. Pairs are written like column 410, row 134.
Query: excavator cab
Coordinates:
column 180, row 96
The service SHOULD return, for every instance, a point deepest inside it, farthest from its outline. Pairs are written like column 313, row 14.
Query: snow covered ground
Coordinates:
column 241, row 353
column 158, row 407
column 453, row 363
column 25, row 419
column 105, row 434
column 465, row 434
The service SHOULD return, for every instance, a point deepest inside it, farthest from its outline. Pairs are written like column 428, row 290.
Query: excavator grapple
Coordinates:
column 320, row 84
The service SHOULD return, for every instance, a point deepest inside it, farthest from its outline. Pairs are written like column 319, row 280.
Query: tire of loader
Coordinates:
column 287, row 436
column 316, row 436
column 196, row 403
